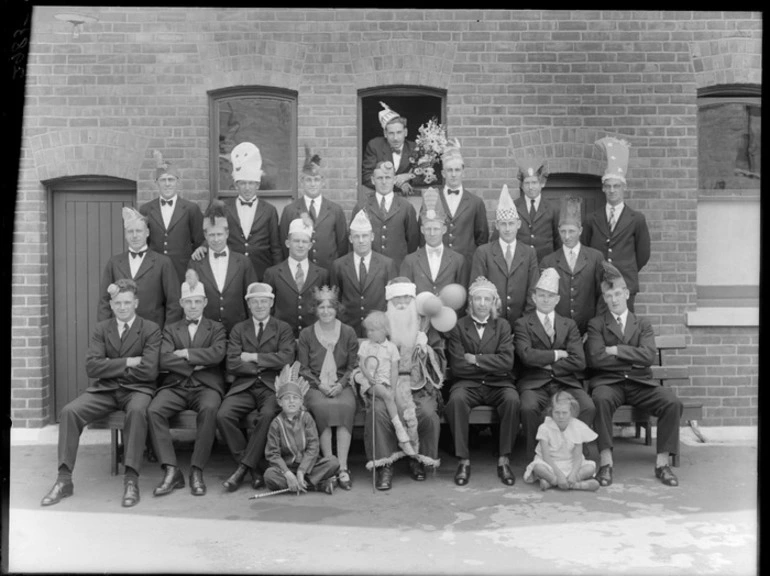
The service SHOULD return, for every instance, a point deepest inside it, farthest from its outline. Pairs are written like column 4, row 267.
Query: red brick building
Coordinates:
column 102, row 95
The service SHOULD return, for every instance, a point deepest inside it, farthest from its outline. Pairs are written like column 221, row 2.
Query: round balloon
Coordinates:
column 445, row 320
column 420, row 300
column 432, row 305
column 453, row 295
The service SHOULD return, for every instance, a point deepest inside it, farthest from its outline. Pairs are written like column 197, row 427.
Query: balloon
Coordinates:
column 420, row 300
column 445, row 320
column 453, row 295
column 432, row 306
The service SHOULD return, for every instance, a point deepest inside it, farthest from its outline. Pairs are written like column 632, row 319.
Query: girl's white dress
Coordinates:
column 559, row 445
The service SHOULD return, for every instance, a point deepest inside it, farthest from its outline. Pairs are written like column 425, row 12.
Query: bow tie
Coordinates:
column 189, row 321
column 220, row 254
column 245, row 203
column 450, row 191
column 166, row 202
column 396, row 150
column 137, row 254
column 480, row 325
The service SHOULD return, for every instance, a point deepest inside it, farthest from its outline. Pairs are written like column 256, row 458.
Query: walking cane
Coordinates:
column 371, row 364
column 265, row 494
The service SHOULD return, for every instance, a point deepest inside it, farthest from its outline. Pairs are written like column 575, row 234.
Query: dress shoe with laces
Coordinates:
column 505, row 474
column 384, row 479
column 463, row 474
column 197, row 485
column 257, row 480
column 130, row 493
column 61, row 489
column 172, row 480
column 604, row 475
column 344, row 480
column 236, row 479
column 417, row 470
column 666, row 476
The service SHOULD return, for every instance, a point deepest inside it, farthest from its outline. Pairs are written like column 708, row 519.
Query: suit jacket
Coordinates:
column 494, row 352
column 357, row 303
column 468, row 228
column 184, row 233
column 276, row 348
column 378, row 150
column 228, row 306
column 311, row 355
column 579, row 290
column 207, row 349
column 636, row 351
column 330, row 231
column 514, row 287
column 107, row 353
column 157, row 283
column 295, row 307
column 543, row 232
column 396, row 233
column 263, row 244
column 535, row 351
column 453, row 269
column 627, row 247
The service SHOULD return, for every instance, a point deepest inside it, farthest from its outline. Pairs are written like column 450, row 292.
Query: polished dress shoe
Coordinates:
column 61, row 489
column 505, row 474
column 130, row 493
column 257, row 480
column 172, row 480
column 384, row 479
column 666, row 476
column 344, row 480
column 463, row 474
column 417, row 470
column 234, row 482
column 197, row 485
column 604, row 475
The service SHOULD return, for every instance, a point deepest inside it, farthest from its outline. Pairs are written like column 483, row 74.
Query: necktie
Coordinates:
column 396, row 151
column 620, row 323
column 450, row 191
column 362, row 274
column 220, row 254
column 548, row 328
column 571, row 260
column 532, row 210
column 382, row 204
column 259, row 331
column 190, row 321
column 312, row 210
column 124, row 331
column 138, row 254
column 245, row 203
column 166, row 202
column 299, row 277
column 509, row 257
column 612, row 219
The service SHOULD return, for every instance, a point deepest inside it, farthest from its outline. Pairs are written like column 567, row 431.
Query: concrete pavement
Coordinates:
column 708, row 525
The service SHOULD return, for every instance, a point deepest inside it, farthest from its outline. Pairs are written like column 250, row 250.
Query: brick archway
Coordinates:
column 727, row 61
column 415, row 63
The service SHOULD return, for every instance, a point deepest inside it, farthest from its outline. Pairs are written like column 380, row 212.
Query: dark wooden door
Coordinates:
column 589, row 188
column 86, row 230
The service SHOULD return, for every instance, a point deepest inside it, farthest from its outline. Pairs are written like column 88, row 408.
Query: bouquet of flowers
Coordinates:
column 431, row 144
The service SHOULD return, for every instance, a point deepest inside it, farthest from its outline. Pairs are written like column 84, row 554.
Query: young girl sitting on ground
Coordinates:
column 559, row 457
column 382, row 376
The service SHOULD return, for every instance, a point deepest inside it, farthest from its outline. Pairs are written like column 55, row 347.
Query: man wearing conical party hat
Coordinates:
column 191, row 357
column 392, row 147
column 579, row 267
column 616, row 230
column 361, row 275
column 434, row 265
column 330, row 228
column 510, row 265
column 154, row 274
column 550, row 358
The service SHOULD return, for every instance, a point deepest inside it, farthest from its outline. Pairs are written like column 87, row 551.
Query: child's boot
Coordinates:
column 403, row 437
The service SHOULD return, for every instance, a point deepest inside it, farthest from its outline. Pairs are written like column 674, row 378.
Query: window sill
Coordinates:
column 724, row 317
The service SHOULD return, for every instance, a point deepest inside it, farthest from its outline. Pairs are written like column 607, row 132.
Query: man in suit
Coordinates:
column 550, row 353
column 191, row 355
column 225, row 274
column 539, row 219
column 392, row 147
column 123, row 358
column 434, row 265
column 175, row 224
column 617, row 231
column 579, row 267
column 257, row 350
column 466, row 214
column 619, row 352
column 330, row 229
column 294, row 279
column 507, row 263
column 361, row 276
column 393, row 218
column 480, row 356
column 154, row 274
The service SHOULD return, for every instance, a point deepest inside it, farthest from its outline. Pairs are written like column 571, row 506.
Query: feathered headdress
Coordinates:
column 611, row 277
column 312, row 163
column 431, row 209
column 162, row 166
column 302, row 225
column 452, row 151
column 289, row 381
column 215, row 215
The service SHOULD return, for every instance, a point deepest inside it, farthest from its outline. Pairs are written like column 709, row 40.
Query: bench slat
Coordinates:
column 670, row 372
column 671, row 342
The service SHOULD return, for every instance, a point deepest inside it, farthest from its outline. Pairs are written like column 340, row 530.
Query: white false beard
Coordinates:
column 404, row 325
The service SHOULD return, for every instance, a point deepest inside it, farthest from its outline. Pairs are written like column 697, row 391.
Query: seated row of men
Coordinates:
column 128, row 353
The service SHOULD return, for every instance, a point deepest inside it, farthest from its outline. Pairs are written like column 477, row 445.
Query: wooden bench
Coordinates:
column 625, row 415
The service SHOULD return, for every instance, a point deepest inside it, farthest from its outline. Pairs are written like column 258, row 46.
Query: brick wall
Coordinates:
column 543, row 81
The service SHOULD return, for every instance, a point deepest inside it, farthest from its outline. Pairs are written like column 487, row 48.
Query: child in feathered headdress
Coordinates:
column 292, row 442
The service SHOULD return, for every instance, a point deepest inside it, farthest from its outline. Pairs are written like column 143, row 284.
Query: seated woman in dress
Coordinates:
column 327, row 351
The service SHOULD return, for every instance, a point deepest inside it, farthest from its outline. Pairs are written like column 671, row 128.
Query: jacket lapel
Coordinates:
column 260, row 217
column 624, row 221
column 612, row 325
column 536, row 328
column 269, row 332
column 374, row 265
column 112, row 335
column 601, row 221
column 232, row 270
column 176, row 215
column 422, row 261
column 310, row 277
column 464, row 204
column 472, row 335
column 208, row 274
column 630, row 327
column 147, row 263
column 201, row 334
column 155, row 213
column 122, row 266
column 497, row 257
column 322, row 213
column 581, row 260
column 518, row 256
column 131, row 337
column 284, row 273
column 521, row 206
column 183, row 334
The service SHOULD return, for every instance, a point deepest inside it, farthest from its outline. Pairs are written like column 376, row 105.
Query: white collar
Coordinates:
column 576, row 249
column 225, row 250
column 129, row 323
column 294, row 263
column 431, row 249
column 172, row 199
column 142, row 249
column 242, row 199
column 256, row 322
column 551, row 316
column 528, row 201
column 366, row 258
column 387, row 196
column 504, row 245
column 618, row 208
column 623, row 317
column 446, row 192
column 308, row 200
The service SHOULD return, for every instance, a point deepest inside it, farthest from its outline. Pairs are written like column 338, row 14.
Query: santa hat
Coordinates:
column 131, row 215
column 400, row 286
column 617, row 152
column 531, row 166
column 192, row 285
column 360, row 222
column 571, row 211
column 215, row 215
column 549, row 281
column 163, row 166
column 289, row 381
column 312, row 165
column 432, row 209
column 611, row 277
column 247, row 162
column 302, row 226
column 506, row 210
column 386, row 115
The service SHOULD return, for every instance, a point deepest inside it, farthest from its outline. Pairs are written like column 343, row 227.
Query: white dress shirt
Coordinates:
column 479, row 330
column 618, row 211
column 246, row 215
column 167, row 211
column 575, row 251
column 529, row 202
column 504, row 246
column 121, row 324
column 434, row 259
column 192, row 329
column 316, row 205
column 135, row 263
column 623, row 319
column 293, row 266
column 219, row 267
column 388, row 200
column 453, row 200
column 397, row 157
